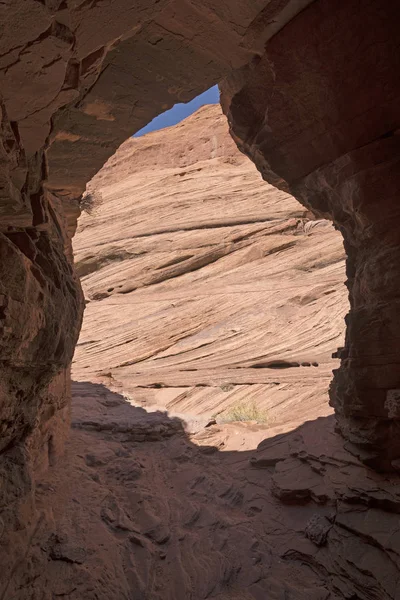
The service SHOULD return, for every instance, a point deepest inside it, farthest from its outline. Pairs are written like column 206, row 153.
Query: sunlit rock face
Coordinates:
column 213, row 288
column 319, row 115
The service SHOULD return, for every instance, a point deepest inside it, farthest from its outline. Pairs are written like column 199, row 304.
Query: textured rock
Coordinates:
column 76, row 79
column 317, row 111
column 316, row 128
column 41, row 308
column 171, row 518
column 212, row 288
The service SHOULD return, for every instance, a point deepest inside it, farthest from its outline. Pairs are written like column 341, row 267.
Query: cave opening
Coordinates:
column 209, row 293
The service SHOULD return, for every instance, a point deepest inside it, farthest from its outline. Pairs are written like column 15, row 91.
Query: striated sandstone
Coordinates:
column 313, row 100
column 211, row 288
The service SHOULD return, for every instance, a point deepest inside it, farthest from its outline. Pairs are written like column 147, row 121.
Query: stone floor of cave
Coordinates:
column 138, row 508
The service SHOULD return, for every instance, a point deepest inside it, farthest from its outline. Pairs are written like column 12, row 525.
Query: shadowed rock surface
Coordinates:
column 313, row 128
column 76, row 79
column 137, row 509
column 207, row 287
column 190, row 507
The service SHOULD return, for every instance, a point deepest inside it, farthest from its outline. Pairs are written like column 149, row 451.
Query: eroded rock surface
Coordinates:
column 171, row 518
column 206, row 287
column 76, row 79
column 318, row 112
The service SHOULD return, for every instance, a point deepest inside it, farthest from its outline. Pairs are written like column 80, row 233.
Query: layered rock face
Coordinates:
column 319, row 115
column 212, row 288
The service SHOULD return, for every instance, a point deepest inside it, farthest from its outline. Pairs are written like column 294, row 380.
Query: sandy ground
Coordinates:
column 138, row 509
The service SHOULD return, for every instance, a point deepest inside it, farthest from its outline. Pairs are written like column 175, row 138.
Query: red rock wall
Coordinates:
column 319, row 115
column 40, row 314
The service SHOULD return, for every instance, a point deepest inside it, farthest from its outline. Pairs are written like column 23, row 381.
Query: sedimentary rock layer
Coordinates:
column 205, row 286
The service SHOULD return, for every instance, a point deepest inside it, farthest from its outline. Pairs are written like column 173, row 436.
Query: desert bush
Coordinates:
column 244, row 412
column 227, row 387
column 90, row 201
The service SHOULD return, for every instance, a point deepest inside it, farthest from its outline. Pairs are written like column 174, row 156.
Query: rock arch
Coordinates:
column 311, row 90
